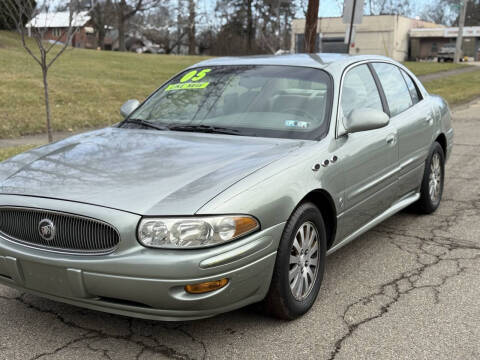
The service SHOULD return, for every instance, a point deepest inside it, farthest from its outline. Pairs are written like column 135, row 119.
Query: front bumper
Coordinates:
column 136, row 281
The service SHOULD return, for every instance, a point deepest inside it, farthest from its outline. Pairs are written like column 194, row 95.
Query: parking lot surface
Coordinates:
column 410, row 288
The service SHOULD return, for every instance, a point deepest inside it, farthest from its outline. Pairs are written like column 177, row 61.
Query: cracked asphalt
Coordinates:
column 410, row 288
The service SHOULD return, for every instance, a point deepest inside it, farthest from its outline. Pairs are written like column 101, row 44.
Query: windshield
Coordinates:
column 267, row 101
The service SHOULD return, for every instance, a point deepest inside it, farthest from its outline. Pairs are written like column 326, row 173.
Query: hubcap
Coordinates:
column 303, row 261
column 435, row 179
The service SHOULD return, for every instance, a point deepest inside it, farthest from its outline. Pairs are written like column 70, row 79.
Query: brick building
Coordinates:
column 54, row 26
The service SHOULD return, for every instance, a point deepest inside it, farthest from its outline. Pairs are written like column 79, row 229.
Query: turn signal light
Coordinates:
column 244, row 225
column 206, row 286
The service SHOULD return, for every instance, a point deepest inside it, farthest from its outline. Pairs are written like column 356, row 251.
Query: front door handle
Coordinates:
column 391, row 139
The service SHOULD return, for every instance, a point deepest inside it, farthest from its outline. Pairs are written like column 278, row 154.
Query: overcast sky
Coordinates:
column 334, row 8
column 327, row 7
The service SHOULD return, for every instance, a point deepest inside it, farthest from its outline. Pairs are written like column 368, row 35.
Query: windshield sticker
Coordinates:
column 191, row 76
column 187, row 86
column 297, row 124
column 195, row 75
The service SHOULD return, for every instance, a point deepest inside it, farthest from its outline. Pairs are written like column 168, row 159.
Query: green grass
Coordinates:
column 7, row 152
column 87, row 87
column 424, row 68
column 456, row 89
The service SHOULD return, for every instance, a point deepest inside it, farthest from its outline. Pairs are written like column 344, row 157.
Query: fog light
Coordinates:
column 206, row 286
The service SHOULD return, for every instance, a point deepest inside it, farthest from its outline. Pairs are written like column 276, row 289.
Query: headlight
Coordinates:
column 194, row 232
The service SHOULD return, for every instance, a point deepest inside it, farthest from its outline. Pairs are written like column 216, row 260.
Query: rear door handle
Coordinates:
column 429, row 120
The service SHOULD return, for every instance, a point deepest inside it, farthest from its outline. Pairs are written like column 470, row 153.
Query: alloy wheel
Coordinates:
column 435, row 179
column 304, row 261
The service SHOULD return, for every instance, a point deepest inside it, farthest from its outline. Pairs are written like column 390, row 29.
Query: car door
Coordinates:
column 369, row 159
column 413, row 118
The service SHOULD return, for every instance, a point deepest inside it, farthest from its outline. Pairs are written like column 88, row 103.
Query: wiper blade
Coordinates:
column 146, row 123
column 204, row 129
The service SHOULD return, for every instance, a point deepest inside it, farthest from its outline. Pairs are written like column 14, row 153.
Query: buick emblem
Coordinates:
column 46, row 229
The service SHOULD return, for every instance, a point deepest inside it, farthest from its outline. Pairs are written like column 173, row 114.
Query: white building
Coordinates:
column 379, row 35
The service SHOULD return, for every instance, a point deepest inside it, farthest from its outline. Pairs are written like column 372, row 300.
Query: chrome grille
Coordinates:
column 73, row 233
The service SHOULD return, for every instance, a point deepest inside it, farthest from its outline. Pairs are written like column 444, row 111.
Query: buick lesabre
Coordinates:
column 229, row 185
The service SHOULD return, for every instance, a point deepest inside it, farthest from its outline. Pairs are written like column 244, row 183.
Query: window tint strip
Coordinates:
column 380, row 89
column 414, row 101
column 410, row 82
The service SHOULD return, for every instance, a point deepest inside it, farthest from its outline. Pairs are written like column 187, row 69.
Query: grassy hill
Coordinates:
column 87, row 87
column 425, row 68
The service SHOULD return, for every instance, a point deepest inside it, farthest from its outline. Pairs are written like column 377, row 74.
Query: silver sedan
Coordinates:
column 228, row 186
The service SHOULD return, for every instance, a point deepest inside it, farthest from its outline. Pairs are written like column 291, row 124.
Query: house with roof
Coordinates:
column 54, row 26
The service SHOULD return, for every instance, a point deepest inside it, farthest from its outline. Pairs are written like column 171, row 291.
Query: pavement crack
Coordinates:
column 95, row 335
column 194, row 339
column 63, row 347
column 427, row 252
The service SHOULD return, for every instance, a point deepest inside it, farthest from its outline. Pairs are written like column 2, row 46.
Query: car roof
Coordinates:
column 319, row 60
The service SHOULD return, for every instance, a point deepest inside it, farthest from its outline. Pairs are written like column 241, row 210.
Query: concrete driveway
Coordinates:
column 410, row 288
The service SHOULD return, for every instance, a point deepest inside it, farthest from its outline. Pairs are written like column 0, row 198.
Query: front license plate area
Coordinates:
column 46, row 278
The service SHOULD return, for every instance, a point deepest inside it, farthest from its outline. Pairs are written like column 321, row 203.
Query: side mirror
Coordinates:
column 128, row 107
column 365, row 119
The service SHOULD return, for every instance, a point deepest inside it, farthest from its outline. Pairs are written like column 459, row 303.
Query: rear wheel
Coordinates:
column 432, row 184
column 299, row 266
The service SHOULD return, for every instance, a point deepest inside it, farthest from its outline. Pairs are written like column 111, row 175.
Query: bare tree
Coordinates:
column 165, row 25
column 44, row 53
column 447, row 12
column 127, row 9
column 311, row 22
column 103, row 16
column 437, row 14
column 274, row 23
column 389, row 7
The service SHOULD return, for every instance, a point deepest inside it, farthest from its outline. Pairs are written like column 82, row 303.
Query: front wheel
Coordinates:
column 432, row 184
column 299, row 266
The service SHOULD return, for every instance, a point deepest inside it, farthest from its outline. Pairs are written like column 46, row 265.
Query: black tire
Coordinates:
column 427, row 205
column 280, row 301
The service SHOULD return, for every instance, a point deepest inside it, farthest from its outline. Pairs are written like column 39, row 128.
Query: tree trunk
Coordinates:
column 101, row 39
column 249, row 27
column 179, row 27
column 311, row 26
column 192, row 46
column 47, row 104
column 121, row 34
column 122, row 7
column 286, row 33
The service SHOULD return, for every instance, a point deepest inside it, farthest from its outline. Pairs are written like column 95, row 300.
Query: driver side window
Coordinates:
column 359, row 91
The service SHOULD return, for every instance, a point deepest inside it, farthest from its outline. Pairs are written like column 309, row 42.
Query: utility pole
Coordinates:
column 461, row 24
column 352, row 15
column 351, row 26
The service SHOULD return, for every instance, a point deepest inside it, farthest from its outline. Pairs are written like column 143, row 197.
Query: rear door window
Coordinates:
column 394, row 87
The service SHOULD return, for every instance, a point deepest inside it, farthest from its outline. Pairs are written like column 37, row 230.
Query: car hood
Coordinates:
column 145, row 172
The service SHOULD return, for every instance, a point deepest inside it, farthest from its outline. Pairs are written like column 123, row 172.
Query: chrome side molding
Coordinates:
column 401, row 204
